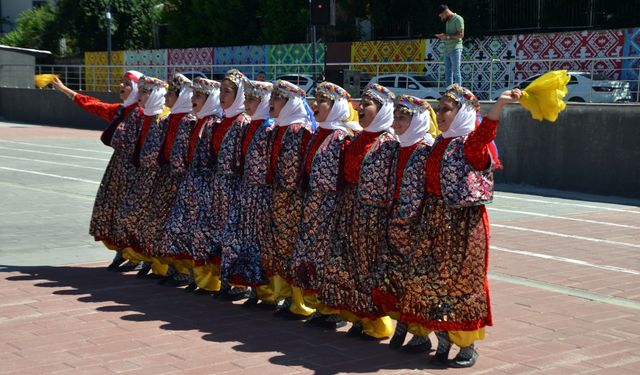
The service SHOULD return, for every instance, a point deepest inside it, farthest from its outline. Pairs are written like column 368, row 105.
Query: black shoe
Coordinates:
column 191, row 287
column 417, row 349
column 127, row 267
column 235, row 294
column 179, row 280
column 440, row 359
column 116, row 262
column 316, row 320
column 203, row 292
column 397, row 340
column 251, row 302
column 466, row 358
column 288, row 315
column 355, row 330
column 332, row 322
column 365, row 337
column 267, row 306
column 144, row 270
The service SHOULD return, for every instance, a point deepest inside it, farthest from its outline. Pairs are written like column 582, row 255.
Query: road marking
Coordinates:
column 567, row 260
column 52, row 162
column 581, row 293
column 52, row 153
column 566, row 235
column 501, row 196
column 563, row 218
column 51, row 175
column 66, row 194
column 59, row 147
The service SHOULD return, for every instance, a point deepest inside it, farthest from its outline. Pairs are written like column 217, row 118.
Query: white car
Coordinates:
column 418, row 86
column 582, row 88
column 304, row 81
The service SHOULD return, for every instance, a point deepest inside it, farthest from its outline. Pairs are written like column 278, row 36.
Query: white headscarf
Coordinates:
column 133, row 96
column 155, row 103
column 262, row 112
column 237, row 106
column 183, row 103
column 211, row 105
column 339, row 113
column 383, row 119
column 293, row 112
column 353, row 125
column 463, row 123
column 418, row 130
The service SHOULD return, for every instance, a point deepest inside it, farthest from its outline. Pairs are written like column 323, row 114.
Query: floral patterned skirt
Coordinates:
column 317, row 234
column 246, row 235
column 442, row 284
column 111, row 190
column 163, row 197
column 350, row 268
column 134, row 207
column 182, row 230
column 224, row 204
column 285, row 217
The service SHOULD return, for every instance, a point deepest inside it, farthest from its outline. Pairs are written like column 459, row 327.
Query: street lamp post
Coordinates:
column 108, row 16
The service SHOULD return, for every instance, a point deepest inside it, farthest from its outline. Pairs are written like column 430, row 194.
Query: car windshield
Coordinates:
column 426, row 81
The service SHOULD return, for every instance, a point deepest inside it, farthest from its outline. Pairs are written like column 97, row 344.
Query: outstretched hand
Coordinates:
column 510, row 96
column 58, row 85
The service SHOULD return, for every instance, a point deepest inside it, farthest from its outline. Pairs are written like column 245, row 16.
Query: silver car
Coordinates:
column 399, row 84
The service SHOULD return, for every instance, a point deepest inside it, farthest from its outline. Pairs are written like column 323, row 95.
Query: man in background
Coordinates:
column 452, row 38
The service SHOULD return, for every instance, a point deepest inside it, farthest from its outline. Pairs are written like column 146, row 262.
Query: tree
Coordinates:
column 35, row 28
column 283, row 21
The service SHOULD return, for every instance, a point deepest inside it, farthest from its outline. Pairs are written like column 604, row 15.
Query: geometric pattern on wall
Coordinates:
column 299, row 55
column 631, row 67
column 233, row 57
column 186, row 59
column 149, row 62
column 482, row 78
column 96, row 76
column 377, row 51
column 572, row 48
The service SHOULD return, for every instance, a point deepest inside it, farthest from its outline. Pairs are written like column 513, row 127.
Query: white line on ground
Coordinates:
column 502, row 196
column 566, row 235
column 52, row 162
column 50, row 175
column 49, row 191
column 567, row 260
column 563, row 218
column 52, row 153
column 59, row 147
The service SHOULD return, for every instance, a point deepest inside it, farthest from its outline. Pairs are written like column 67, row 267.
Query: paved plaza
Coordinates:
column 564, row 279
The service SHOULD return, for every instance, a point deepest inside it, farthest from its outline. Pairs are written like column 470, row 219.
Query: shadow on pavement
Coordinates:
column 253, row 330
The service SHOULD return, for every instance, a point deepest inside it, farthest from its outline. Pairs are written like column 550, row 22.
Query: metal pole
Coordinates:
column 108, row 15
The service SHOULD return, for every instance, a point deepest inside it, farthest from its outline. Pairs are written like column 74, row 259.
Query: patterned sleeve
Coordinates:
column 106, row 111
column 475, row 147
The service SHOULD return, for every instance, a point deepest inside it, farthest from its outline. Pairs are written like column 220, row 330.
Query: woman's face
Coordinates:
column 321, row 108
column 198, row 100
column 367, row 111
column 228, row 92
column 251, row 104
column 447, row 110
column 143, row 97
column 401, row 121
column 276, row 103
column 125, row 88
column 170, row 98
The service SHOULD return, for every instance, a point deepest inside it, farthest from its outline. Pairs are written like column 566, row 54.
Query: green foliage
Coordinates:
column 283, row 21
column 34, row 29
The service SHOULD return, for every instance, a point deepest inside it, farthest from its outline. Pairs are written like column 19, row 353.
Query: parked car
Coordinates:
column 191, row 74
column 582, row 88
column 419, row 86
column 304, row 81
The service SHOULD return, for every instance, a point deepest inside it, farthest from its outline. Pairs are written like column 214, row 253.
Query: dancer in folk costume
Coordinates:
column 121, row 134
column 415, row 126
column 173, row 168
column 249, row 231
column 288, row 106
column 369, row 173
column 138, row 202
column 445, row 288
column 323, row 187
column 227, row 149
column 187, row 231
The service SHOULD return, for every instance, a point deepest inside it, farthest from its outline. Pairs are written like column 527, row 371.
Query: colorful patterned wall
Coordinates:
column 299, row 55
column 237, row 56
column 388, row 51
column 148, row 62
column 631, row 68
column 191, row 59
column 96, row 77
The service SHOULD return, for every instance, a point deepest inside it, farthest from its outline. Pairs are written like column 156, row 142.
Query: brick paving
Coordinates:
column 566, row 301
